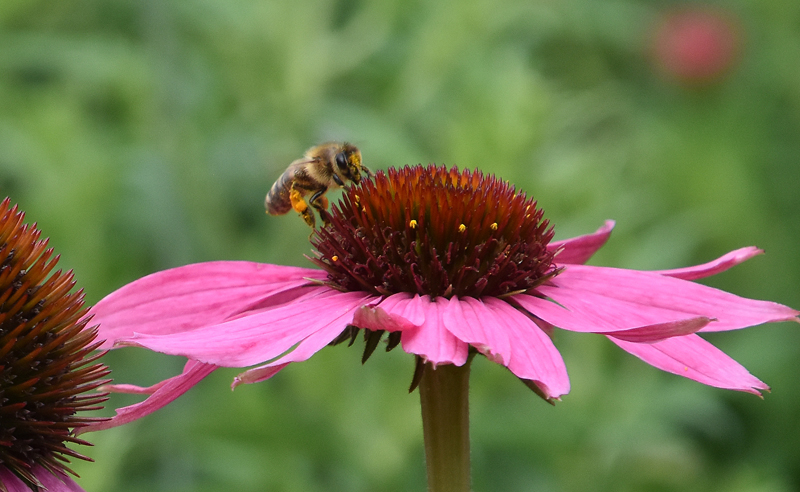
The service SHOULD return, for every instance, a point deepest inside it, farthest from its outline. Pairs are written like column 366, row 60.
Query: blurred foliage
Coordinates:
column 143, row 134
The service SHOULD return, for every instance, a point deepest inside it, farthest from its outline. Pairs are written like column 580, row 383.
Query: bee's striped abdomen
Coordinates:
column 277, row 201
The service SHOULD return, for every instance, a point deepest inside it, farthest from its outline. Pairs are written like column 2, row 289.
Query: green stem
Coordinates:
column 444, row 395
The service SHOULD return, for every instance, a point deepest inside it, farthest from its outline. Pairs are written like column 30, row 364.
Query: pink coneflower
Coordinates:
column 46, row 364
column 447, row 265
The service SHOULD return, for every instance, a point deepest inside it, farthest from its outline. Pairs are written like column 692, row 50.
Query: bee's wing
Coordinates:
column 298, row 164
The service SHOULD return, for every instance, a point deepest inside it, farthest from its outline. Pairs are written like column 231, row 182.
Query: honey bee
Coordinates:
column 323, row 167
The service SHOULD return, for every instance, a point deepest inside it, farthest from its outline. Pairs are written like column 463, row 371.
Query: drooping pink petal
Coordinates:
column 390, row 314
column 304, row 350
column 548, row 328
column 509, row 338
column 261, row 335
column 53, row 483
column 132, row 389
column 162, row 393
column 431, row 340
column 579, row 249
column 630, row 298
column 566, row 319
column 713, row 267
column 694, row 358
column 258, row 374
column 411, row 309
column 662, row 331
column 592, row 319
column 11, row 481
column 186, row 297
column 474, row 323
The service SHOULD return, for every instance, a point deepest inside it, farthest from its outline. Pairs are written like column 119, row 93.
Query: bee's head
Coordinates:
column 348, row 163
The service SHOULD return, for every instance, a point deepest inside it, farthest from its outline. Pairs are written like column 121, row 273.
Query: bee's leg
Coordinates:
column 320, row 202
column 301, row 207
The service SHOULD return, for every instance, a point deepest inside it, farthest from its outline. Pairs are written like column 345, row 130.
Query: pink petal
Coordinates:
column 164, row 393
column 51, row 482
column 579, row 249
column 509, row 338
column 412, row 309
column 131, row 389
column 713, row 267
column 56, row 483
column 474, row 323
column 11, row 481
column 431, row 340
column 662, row 331
column 389, row 315
column 257, row 374
column 261, row 335
column 630, row 298
column 308, row 347
column 566, row 319
column 594, row 319
column 186, row 297
column 692, row 357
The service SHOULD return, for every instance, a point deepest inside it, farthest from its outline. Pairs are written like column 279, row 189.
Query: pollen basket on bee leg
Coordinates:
column 298, row 203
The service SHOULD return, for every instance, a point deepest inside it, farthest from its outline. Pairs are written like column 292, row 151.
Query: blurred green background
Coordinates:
column 144, row 134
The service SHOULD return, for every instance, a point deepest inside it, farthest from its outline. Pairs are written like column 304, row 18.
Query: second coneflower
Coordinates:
column 46, row 362
column 446, row 264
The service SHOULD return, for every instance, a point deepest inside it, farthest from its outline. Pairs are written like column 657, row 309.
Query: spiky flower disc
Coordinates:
column 45, row 361
column 430, row 230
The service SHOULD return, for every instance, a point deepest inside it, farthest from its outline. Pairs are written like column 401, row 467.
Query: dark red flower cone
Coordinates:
column 46, row 361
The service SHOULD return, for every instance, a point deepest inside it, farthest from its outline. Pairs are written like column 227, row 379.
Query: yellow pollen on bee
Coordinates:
column 493, row 226
column 334, row 258
column 412, row 224
column 462, row 228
